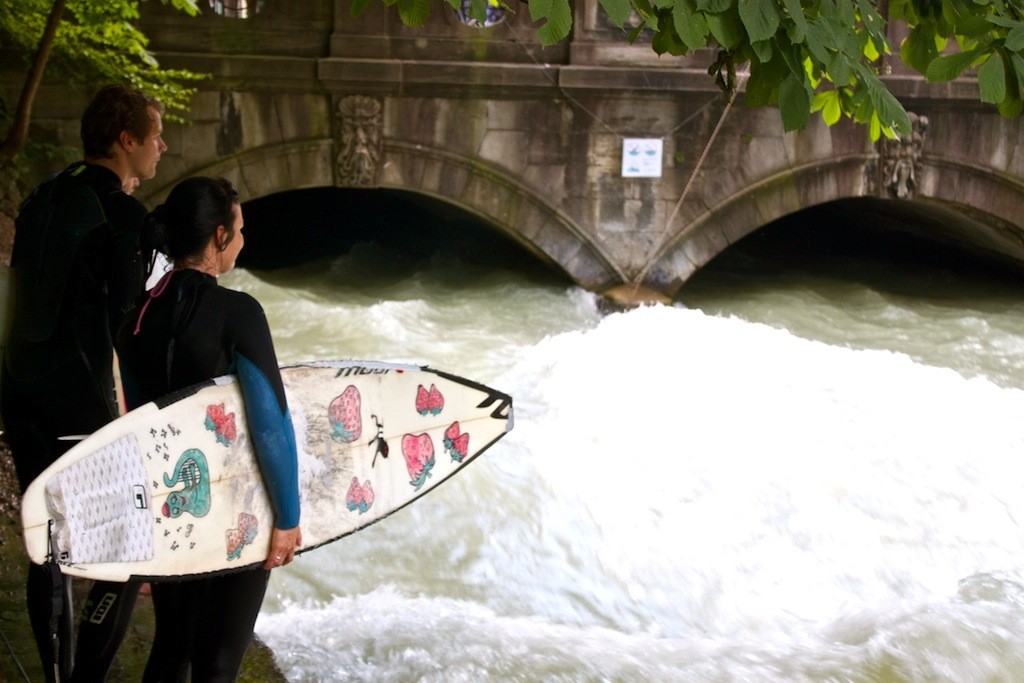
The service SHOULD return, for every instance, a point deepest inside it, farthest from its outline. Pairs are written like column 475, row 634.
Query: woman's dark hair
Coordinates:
column 116, row 108
column 182, row 226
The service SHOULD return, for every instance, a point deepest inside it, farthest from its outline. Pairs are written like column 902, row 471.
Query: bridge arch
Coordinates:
column 469, row 184
column 987, row 202
column 735, row 216
column 488, row 192
column 974, row 207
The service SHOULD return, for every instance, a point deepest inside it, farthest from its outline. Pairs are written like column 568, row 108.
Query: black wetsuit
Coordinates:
column 77, row 268
column 186, row 330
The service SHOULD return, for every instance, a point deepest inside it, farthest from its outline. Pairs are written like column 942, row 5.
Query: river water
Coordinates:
column 807, row 469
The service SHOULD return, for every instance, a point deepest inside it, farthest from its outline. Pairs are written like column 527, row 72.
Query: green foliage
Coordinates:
column 555, row 19
column 96, row 43
column 988, row 35
column 820, row 56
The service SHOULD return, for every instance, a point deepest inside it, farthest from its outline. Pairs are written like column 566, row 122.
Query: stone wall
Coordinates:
column 530, row 139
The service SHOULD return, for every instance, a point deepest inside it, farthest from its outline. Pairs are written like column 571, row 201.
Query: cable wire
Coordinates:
column 17, row 661
column 546, row 69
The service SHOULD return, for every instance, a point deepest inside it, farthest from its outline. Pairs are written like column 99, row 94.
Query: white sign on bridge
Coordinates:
column 641, row 157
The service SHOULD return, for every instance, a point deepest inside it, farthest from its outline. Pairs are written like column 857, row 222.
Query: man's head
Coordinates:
column 122, row 125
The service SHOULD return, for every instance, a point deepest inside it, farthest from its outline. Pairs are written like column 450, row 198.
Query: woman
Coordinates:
column 185, row 330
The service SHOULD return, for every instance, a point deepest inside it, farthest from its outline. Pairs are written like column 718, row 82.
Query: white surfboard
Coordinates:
column 173, row 487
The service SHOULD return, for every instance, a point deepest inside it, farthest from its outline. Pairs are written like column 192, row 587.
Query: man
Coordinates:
column 77, row 266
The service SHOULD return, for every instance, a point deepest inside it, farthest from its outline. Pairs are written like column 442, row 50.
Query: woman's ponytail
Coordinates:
column 154, row 231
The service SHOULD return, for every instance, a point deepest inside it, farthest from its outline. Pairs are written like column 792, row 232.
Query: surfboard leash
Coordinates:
column 56, row 600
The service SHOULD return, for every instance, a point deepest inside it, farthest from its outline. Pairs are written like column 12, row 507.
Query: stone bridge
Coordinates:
column 531, row 140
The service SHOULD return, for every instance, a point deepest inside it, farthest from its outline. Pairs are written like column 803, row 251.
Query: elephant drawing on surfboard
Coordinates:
column 191, row 470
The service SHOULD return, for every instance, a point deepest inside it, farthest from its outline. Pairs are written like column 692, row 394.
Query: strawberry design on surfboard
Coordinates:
column 419, row 457
column 221, row 423
column 456, row 444
column 344, row 415
column 360, row 496
column 429, row 402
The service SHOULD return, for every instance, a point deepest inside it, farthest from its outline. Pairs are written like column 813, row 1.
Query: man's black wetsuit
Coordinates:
column 77, row 268
column 186, row 330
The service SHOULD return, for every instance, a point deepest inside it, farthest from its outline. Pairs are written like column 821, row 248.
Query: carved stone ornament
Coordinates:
column 358, row 140
column 902, row 158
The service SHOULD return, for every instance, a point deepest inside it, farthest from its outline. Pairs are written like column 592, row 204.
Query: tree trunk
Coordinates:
column 19, row 127
column 10, row 197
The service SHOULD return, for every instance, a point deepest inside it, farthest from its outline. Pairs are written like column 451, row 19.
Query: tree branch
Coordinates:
column 18, row 133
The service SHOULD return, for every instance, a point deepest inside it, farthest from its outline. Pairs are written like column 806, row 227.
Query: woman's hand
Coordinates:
column 282, row 547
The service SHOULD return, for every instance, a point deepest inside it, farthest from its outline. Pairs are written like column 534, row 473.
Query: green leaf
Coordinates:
column 478, row 11
column 357, row 8
column 646, row 11
column 888, row 110
column 818, row 38
column 948, row 67
column 859, row 106
column 840, row 69
column 618, row 10
column 874, row 128
column 666, row 39
column 827, row 103
column 919, row 49
column 796, row 15
column 763, row 50
column 847, row 40
column 714, row 6
column 1015, row 39
column 819, row 100
column 557, row 19
column 1005, row 22
column 760, row 18
column 690, row 24
column 794, row 103
column 992, row 80
column 832, row 111
column 763, row 84
column 845, row 11
column 726, row 29
column 413, row 12
column 1017, row 68
column 870, row 51
column 966, row 17
column 872, row 22
column 1010, row 107
column 189, row 7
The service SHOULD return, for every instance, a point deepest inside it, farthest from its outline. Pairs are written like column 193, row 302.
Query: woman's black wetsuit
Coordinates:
column 187, row 330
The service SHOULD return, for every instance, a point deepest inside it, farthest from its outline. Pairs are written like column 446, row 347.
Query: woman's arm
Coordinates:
column 270, row 425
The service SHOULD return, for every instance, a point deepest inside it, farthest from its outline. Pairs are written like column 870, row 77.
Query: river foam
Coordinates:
column 690, row 497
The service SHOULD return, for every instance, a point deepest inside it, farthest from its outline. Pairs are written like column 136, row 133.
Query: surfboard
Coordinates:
column 173, row 488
